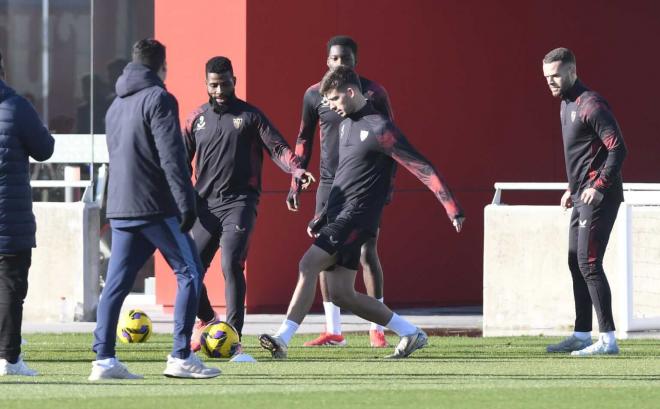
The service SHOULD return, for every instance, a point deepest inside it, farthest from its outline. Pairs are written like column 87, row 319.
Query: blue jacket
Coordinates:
column 148, row 172
column 22, row 134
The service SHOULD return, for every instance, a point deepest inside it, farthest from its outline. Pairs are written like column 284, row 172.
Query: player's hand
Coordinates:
column 591, row 196
column 292, row 202
column 315, row 225
column 311, row 233
column 458, row 223
column 566, row 201
column 187, row 220
column 305, row 180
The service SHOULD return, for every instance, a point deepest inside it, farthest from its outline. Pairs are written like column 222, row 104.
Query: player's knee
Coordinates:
column 591, row 269
column 232, row 266
column 340, row 297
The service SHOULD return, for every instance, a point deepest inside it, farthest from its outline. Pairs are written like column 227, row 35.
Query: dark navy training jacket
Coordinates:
column 22, row 134
column 148, row 171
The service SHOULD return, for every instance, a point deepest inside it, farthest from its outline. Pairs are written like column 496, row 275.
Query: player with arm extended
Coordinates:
column 369, row 145
column 342, row 51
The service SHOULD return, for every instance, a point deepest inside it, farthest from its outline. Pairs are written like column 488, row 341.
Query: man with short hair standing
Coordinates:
column 151, row 205
column 22, row 135
column 227, row 137
column 342, row 51
column 594, row 151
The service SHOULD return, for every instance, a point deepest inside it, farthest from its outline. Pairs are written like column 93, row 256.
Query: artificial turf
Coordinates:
column 452, row 372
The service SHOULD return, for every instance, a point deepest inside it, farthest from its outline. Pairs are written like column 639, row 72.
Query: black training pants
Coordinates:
column 230, row 231
column 13, row 289
column 589, row 233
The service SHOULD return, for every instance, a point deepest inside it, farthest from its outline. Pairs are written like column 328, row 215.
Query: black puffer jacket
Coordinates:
column 22, row 134
column 148, row 171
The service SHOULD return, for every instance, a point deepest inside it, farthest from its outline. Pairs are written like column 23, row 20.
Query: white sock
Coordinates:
column 582, row 335
column 608, row 337
column 374, row 326
column 287, row 331
column 401, row 326
column 106, row 363
column 332, row 318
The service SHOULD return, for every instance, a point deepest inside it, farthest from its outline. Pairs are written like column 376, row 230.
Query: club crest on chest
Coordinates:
column 238, row 122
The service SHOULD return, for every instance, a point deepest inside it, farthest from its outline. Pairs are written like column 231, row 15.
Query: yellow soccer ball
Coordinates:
column 219, row 340
column 134, row 326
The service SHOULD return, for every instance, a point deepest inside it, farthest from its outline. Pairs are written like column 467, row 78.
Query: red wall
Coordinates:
column 466, row 86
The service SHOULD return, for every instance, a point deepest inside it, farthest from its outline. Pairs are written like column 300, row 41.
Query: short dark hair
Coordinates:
column 559, row 54
column 339, row 78
column 344, row 41
column 149, row 52
column 218, row 65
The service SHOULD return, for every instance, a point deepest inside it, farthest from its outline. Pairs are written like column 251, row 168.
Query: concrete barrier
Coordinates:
column 527, row 284
column 64, row 276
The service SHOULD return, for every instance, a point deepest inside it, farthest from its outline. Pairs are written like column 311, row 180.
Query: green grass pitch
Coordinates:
column 452, row 372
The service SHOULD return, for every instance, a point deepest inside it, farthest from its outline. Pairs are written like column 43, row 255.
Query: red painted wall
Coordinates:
column 192, row 34
column 466, row 86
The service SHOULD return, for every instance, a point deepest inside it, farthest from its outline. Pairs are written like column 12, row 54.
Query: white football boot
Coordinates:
column 191, row 367
column 19, row 368
column 409, row 344
column 110, row 369
column 600, row 347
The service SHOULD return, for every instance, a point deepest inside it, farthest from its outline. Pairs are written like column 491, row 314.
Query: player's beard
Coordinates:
column 219, row 108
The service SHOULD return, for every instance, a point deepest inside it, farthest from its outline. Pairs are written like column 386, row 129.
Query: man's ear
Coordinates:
column 350, row 91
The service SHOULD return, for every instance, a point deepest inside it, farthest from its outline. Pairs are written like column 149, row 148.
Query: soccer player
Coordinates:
column 594, row 151
column 151, row 205
column 342, row 51
column 22, row 135
column 369, row 144
column 228, row 136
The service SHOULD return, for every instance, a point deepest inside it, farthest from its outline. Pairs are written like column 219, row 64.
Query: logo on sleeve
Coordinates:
column 238, row 122
column 573, row 113
column 363, row 135
column 201, row 123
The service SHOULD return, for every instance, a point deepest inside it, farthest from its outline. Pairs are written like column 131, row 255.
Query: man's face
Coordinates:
column 340, row 55
column 340, row 101
column 162, row 72
column 560, row 77
column 220, row 87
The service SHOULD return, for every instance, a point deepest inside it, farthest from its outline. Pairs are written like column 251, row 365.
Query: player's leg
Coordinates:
column 342, row 289
column 130, row 250
column 372, row 274
column 237, row 228
column 581, row 337
column 13, row 290
column 332, row 335
column 180, row 252
column 311, row 264
column 592, row 242
column 206, row 234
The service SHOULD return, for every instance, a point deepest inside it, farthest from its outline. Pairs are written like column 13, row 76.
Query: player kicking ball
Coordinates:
column 369, row 146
